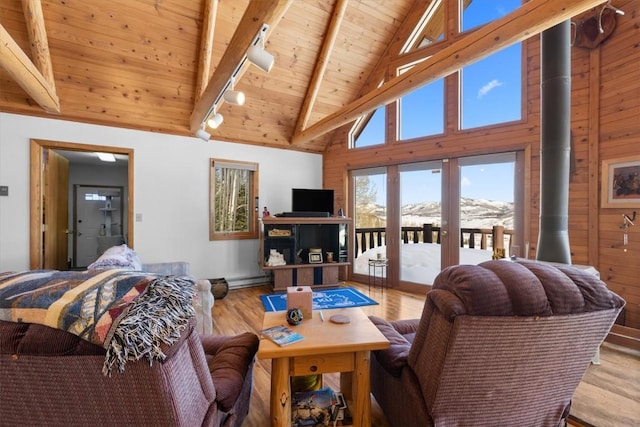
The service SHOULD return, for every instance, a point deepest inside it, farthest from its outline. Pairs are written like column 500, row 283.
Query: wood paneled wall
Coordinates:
column 604, row 125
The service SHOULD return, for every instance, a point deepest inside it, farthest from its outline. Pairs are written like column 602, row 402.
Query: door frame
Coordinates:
column 37, row 186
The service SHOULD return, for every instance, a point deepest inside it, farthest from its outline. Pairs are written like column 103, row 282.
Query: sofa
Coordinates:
column 204, row 300
column 117, row 347
column 121, row 256
column 499, row 343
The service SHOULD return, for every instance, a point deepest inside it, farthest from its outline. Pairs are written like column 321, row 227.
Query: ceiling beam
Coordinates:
column 34, row 18
column 321, row 65
column 530, row 19
column 25, row 73
column 261, row 12
column 206, row 45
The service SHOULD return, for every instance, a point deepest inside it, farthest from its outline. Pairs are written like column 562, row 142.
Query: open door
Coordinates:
column 55, row 211
column 49, row 201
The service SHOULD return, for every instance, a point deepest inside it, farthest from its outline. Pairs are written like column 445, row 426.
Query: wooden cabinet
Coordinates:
column 313, row 249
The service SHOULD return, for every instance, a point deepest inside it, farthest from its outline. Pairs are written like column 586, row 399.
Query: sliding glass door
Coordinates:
column 486, row 206
column 420, row 220
column 370, row 217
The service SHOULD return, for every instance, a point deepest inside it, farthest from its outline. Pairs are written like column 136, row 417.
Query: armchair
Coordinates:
column 54, row 378
column 499, row 343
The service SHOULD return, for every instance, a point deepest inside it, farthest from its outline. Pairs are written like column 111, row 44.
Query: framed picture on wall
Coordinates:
column 621, row 183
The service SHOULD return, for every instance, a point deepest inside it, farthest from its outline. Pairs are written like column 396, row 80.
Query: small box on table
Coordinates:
column 300, row 297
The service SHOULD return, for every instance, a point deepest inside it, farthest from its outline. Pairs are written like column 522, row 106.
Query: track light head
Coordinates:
column 260, row 58
column 203, row 134
column 234, row 97
column 215, row 121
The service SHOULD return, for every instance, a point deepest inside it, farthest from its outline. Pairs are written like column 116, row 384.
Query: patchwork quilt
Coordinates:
column 129, row 313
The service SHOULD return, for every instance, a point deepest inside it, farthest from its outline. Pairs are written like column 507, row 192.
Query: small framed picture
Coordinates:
column 315, row 258
column 621, row 183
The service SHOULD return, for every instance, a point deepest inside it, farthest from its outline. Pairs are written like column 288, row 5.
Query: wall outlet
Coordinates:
column 4, row 190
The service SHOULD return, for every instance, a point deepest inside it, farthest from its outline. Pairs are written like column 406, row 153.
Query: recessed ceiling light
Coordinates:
column 106, row 157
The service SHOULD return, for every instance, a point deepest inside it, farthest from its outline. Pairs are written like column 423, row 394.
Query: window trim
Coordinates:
column 252, row 211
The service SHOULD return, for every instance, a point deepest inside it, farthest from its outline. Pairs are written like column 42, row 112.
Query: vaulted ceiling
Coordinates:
column 157, row 65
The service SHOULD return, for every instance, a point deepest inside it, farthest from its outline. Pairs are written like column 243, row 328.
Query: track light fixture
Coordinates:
column 256, row 53
column 234, row 97
column 203, row 134
column 215, row 121
column 257, row 56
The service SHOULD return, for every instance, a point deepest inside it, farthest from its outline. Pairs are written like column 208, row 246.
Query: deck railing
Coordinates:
column 482, row 238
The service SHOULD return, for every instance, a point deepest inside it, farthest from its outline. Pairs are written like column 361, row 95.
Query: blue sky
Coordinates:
column 491, row 93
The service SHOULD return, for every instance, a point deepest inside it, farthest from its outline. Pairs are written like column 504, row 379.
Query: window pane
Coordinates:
column 478, row 12
column 233, row 191
column 492, row 89
column 421, row 207
column 232, row 201
column 370, row 189
column 487, row 186
column 422, row 111
column 370, row 131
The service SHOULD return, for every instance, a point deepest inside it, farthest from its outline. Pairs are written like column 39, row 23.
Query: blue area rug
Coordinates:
column 324, row 299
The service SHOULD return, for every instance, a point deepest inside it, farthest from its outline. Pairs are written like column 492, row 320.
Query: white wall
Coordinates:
column 171, row 191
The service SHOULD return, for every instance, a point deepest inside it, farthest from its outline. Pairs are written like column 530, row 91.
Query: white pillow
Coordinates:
column 117, row 257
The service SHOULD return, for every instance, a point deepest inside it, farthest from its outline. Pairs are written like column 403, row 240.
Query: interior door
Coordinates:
column 97, row 222
column 55, row 211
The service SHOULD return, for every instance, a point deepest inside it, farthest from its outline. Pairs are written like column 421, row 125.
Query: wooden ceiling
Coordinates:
column 142, row 64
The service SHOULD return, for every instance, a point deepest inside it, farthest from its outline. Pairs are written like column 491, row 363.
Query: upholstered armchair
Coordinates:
column 49, row 377
column 500, row 343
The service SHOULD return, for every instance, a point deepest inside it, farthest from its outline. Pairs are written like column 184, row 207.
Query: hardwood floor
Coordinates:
column 609, row 394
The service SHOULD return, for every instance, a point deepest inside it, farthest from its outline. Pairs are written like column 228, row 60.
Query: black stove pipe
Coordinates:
column 555, row 144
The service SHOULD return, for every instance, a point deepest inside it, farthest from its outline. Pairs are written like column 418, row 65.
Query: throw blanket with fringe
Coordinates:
column 129, row 313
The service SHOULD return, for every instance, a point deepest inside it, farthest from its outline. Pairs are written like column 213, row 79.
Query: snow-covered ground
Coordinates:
column 420, row 261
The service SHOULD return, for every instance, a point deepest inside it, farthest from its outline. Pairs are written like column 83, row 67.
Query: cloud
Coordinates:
column 488, row 87
column 465, row 182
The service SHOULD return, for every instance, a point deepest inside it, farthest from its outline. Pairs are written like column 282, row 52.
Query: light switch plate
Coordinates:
column 4, row 190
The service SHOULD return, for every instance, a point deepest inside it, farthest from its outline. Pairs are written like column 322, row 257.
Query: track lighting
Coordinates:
column 260, row 58
column 234, row 97
column 256, row 53
column 215, row 121
column 203, row 134
column 257, row 56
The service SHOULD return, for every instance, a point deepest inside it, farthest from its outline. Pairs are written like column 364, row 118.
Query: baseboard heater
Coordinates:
column 249, row 281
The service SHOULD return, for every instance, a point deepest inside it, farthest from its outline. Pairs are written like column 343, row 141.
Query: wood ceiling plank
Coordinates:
column 321, row 64
column 25, row 73
column 530, row 19
column 268, row 12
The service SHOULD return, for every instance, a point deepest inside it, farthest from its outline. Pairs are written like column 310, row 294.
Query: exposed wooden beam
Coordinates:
column 257, row 13
column 321, row 65
column 206, row 45
column 25, row 73
column 530, row 19
column 34, row 18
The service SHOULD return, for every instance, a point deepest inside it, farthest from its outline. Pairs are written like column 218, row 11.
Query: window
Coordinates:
column 233, row 200
column 369, row 130
column 422, row 111
column 492, row 89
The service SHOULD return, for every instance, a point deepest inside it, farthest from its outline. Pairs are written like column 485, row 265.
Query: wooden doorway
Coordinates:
column 42, row 247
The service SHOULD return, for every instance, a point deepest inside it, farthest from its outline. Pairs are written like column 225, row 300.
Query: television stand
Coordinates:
column 293, row 237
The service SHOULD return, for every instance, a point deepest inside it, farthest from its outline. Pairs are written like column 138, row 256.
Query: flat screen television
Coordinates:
column 308, row 200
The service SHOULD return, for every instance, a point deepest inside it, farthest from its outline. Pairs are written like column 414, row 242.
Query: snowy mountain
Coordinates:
column 474, row 213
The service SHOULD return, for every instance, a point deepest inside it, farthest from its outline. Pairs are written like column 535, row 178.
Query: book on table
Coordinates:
column 316, row 408
column 282, row 335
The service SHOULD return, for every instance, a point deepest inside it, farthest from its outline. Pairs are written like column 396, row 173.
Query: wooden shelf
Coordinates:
column 329, row 234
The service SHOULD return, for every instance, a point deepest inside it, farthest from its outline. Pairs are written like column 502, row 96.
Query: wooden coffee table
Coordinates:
column 327, row 347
